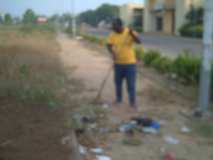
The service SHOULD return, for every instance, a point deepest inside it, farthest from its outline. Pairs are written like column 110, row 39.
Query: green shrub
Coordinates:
column 150, row 56
column 94, row 39
column 187, row 66
column 68, row 30
column 139, row 52
column 29, row 28
column 189, row 30
column 45, row 27
column 162, row 64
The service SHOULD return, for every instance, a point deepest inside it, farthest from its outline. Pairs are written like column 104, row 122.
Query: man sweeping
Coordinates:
column 121, row 46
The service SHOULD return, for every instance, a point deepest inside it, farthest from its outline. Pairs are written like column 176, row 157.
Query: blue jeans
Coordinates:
column 128, row 73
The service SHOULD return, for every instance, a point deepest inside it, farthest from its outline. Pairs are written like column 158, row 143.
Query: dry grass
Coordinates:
column 33, row 97
column 30, row 69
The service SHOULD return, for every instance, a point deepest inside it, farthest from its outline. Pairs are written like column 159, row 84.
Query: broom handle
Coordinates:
column 104, row 82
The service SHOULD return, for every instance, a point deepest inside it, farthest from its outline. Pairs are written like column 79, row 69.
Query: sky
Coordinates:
column 50, row 7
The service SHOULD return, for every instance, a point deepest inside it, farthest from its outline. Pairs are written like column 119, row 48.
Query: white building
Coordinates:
column 132, row 14
column 167, row 16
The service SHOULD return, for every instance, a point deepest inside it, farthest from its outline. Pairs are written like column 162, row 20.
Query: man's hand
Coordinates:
column 131, row 32
column 134, row 35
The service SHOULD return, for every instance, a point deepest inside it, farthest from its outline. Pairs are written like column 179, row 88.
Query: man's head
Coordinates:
column 117, row 25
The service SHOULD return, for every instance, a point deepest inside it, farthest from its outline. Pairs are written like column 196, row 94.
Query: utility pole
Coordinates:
column 205, row 79
column 73, row 19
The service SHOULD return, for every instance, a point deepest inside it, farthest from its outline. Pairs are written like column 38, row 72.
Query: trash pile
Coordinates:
column 141, row 124
column 90, row 125
column 93, row 122
column 144, row 125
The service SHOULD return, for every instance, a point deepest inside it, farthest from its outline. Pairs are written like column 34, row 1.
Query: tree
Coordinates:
column 29, row 17
column 105, row 12
column 8, row 19
column 88, row 17
column 195, row 16
column 54, row 18
column 1, row 19
column 194, row 24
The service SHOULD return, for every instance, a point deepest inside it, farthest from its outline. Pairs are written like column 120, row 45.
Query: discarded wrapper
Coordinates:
column 185, row 130
column 150, row 130
column 128, row 127
column 82, row 150
column 103, row 158
column 171, row 140
column 97, row 150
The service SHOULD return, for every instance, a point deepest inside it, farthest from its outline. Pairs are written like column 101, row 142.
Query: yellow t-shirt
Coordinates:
column 123, row 46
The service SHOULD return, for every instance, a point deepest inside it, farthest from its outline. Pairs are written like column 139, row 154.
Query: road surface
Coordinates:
column 168, row 45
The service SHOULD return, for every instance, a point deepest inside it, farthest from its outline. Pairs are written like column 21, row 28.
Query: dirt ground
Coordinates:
column 157, row 98
column 36, row 132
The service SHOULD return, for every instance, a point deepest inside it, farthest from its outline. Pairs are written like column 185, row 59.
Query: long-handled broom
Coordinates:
column 97, row 99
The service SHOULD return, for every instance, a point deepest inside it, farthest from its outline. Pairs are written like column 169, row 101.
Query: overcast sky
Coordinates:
column 49, row 7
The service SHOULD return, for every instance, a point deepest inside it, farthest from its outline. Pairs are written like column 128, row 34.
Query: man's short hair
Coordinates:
column 117, row 21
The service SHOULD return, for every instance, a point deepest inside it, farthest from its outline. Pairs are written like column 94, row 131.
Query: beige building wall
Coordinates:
column 126, row 12
column 167, row 23
column 173, row 14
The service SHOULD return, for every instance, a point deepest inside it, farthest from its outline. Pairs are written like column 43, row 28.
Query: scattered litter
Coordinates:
column 171, row 140
column 82, row 150
column 86, row 120
column 150, row 130
column 93, row 126
column 145, row 122
column 155, row 125
column 169, row 156
column 103, row 158
column 97, row 150
column 125, row 128
column 185, row 130
column 105, row 106
column 146, row 125
column 153, row 128
column 65, row 140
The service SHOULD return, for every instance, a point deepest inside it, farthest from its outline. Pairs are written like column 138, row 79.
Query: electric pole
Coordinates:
column 205, row 76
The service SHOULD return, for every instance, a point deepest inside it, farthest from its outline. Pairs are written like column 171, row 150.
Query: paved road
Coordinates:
column 168, row 45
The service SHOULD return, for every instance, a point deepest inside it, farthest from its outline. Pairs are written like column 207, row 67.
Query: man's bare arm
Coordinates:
column 135, row 37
